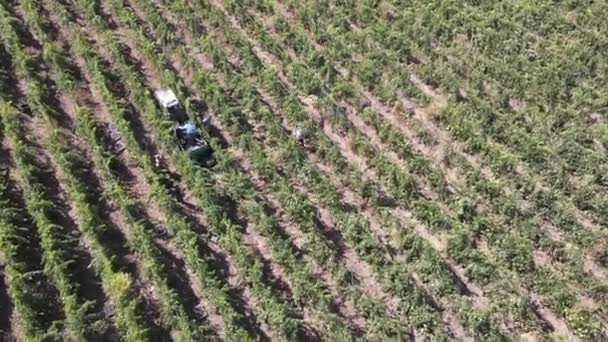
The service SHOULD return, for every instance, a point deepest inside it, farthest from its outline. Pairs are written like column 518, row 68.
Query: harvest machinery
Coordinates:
column 185, row 133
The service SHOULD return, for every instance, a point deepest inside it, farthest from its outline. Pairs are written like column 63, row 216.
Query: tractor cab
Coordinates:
column 189, row 140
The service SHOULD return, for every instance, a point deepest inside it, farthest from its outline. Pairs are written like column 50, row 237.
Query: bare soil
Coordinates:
column 557, row 324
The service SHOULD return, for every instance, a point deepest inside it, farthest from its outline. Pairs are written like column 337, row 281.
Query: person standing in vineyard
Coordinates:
column 206, row 121
column 158, row 162
column 299, row 135
column 167, row 178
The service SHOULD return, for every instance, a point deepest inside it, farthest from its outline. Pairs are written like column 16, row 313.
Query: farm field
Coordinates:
column 452, row 184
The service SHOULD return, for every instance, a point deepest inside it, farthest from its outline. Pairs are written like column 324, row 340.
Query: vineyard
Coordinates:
column 451, row 186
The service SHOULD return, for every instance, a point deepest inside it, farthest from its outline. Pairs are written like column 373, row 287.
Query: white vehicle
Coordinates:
column 169, row 103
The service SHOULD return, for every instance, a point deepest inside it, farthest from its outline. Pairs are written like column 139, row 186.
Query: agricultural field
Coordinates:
column 452, row 185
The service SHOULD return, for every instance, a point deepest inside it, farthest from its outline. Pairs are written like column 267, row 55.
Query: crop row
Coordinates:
column 60, row 251
column 250, row 63
column 570, row 278
column 228, row 236
column 140, row 231
column 550, row 201
column 569, row 257
column 211, row 98
column 300, row 117
column 244, row 92
column 300, row 214
column 118, row 285
column 31, row 292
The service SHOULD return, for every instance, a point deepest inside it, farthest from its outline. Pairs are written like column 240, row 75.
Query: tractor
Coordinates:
column 185, row 133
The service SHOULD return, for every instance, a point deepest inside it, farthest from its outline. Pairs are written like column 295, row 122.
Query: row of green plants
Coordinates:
column 59, row 250
column 555, row 135
column 301, row 212
column 304, row 283
column 571, row 297
column 173, row 310
column 506, row 127
column 117, row 284
column 278, row 314
column 216, row 50
column 32, row 293
column 266, row 164
column 572, row 277
column 246, row 91
column 559, row 249
column 186, row 237
column 555, row 206
column 174, row 313
column 573, row 264
column 575, row 274
column 570, row 256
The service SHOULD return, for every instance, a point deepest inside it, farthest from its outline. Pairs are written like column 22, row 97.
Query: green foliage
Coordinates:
column 516, row 165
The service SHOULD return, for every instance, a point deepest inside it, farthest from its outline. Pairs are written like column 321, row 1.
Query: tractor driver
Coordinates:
column 188, row 131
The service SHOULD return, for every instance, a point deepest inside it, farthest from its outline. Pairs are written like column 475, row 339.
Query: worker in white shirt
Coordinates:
column 299, row 135
column 188, row 131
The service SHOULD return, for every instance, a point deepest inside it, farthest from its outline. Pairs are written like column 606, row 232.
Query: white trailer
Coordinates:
column 168, row 102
